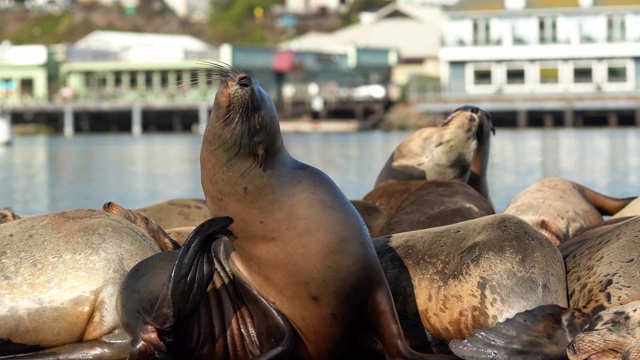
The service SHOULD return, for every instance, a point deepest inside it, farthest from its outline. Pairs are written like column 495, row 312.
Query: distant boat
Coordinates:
column 5, row 129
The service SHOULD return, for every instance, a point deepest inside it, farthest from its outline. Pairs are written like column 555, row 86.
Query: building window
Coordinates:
column 515, row 76
column 617, row 72
column 481, row 32
column 194, row 78
column 482, row 76
column 616, row 28
column 117, row 78
column 26, row 87
column 179, row 80
column 133, row 77
column 582, row 73
column 548, row 30
column 148, row 79
column 549, row 74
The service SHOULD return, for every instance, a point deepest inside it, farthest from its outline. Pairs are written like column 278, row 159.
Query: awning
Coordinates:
column 283, row 61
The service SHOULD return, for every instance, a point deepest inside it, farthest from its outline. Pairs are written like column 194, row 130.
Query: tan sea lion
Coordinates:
column 59, row 276
column 457, row 149
column 390, row 194
column 611, row 335
column 603, row 273
column 470, row 275
column 560, row 208
column 164, row 240
column 180, row 234
column 8, row 216
column 374, row 218
column 300, row 243
column 177, row 212
column 632, row 209
column 437, row 203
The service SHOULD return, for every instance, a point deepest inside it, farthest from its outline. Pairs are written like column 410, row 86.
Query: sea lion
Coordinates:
column 180, row 234
column 602, row 274
column 457, row 149
column 632, row 209
column 187, row 304
column 299, row 242
column 390, row 194
column 8, row 216
column 612, row 334
column 437, row 203
column 177, row 212
column 560, row 208
column 470, row 275
column 59, row 276
column 374, row 218
column 164, row 240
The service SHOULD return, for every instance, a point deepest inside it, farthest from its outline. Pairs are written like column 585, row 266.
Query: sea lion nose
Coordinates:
column 470, row 108
column 245, row 81
column 572, row 348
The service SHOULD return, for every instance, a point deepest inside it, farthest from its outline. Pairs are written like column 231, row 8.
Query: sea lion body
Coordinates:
column 437, row 203
column 602, row 273
column 59, row 276
column 177, row 212
column 560, row 208
column 299, row 242
column 473, row 274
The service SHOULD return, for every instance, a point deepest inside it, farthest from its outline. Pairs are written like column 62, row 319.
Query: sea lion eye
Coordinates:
column 244, row 81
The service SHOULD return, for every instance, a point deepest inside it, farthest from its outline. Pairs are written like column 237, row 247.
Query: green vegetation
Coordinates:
column 235, row 22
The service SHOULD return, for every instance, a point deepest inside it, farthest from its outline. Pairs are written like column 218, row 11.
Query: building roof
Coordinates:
column 493, row 5
column 103, row 45
column 124, row 40
column 413, row 30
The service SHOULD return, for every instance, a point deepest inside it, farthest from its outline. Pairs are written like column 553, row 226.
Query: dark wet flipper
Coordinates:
column 542, row 333
column 274, row 332
column 192, row 272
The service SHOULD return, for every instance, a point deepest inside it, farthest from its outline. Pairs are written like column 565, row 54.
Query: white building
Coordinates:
column 316, row 6
column 541, row 47
column 413, row 30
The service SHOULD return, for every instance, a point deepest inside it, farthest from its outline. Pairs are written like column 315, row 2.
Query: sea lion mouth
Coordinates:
column 484, row 117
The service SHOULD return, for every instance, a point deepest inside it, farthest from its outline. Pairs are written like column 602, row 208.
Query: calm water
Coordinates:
column 41, row 174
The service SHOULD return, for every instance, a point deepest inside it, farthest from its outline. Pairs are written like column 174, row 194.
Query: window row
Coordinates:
column 549, row 29
column 146, row 79
column 616, row 74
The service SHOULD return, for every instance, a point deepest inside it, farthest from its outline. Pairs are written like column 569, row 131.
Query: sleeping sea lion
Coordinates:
column 560, row 208
column 59, row 276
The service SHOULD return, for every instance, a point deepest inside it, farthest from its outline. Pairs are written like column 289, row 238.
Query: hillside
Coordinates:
column 67, row 27
column 231, row 21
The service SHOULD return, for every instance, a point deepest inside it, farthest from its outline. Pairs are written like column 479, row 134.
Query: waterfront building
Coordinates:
column 321, row 81
column 23, row 73
column 414, row 31
column 130, row 67
column 570, row 58
column 317, row 6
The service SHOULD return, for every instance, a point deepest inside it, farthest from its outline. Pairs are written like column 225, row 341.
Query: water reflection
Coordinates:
column 42, row 174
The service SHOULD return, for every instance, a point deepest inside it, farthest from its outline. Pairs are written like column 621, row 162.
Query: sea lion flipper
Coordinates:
column 606, row 205
column 540, row 333
column 192, row 272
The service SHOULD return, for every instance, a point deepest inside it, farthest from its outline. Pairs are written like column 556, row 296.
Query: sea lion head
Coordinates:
column 244, row 119
column 485, row 124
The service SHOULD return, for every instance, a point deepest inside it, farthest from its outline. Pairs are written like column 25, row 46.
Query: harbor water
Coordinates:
column 40, row 174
